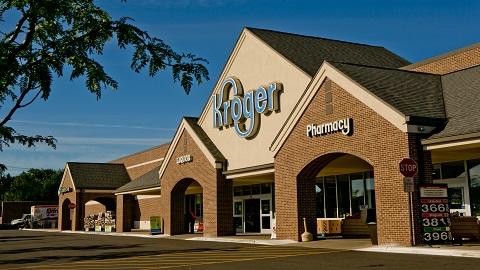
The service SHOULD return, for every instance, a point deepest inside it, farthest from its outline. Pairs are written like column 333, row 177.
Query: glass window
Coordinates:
column 319, row 198
column 358, row 193
column 198, row 205
column 237, row 208
column 255, row 189
column 343, row 193
column 330, row 196
column 453, row 170
column 370, row 189
column 474, row 174
column 238, row 224
column 266, row 223
column 266, row 188
column 436, row 172
column 455, row 198
column 237, row 191
column 265, row 206
column 247, row 190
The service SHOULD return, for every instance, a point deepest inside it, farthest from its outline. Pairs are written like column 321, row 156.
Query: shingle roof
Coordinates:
column 308, row 53
column 98, row 175
column 148, row 180
column 212, row 148
column 461, row 91
column 411, row 93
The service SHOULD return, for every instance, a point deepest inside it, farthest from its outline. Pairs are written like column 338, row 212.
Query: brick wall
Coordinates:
column 141, row 157
column 217, row 191
column 144, row 208
column 374, row 140
column 462, row 59
column 136, row 172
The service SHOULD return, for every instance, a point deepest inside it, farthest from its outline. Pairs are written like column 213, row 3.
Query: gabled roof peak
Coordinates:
column 253, row 29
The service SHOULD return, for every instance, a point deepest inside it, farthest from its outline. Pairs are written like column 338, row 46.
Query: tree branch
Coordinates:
column 26, row 42
column 17, row 104
column 18, row 28
column 31, row 101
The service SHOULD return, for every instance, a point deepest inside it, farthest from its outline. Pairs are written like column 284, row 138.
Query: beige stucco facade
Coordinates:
column 255, row 64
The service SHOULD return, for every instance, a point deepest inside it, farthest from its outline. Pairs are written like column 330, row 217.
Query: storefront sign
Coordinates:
column 63, row 190
column 435, row 214
column 184, row 159
column 345, row 126
column 243, row 109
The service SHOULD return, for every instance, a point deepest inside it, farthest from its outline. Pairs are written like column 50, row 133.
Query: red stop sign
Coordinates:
column 408, row 167
column 72, row 206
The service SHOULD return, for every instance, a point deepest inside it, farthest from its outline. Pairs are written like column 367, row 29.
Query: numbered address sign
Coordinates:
column 435, row 214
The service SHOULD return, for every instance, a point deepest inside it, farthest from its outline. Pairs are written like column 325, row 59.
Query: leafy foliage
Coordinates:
column 51, row 35
column 33, row 185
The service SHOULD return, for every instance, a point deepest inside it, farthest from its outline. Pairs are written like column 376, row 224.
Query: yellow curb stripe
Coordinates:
column 165, row 261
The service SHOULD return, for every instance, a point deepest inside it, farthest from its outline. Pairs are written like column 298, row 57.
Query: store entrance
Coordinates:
column 252, row 215
column 253, row 208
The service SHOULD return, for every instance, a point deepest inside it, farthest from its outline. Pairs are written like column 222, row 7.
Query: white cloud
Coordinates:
column 91, row 125
column 188, row 3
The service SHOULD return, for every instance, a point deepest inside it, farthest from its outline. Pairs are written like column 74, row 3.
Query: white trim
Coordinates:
column 223, row 75
column 450, row 144
column 251, row 173
column 67, row 169
column 356, row 90
column 145, row 163
column 229, row 63
column 185, row 126
column 138, row 191
column 145, row 197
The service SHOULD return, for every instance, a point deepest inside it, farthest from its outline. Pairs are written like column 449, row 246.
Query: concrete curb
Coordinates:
column 244, row 241
column 423, row 251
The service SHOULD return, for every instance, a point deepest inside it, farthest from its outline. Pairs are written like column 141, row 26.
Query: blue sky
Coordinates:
column 145, row 111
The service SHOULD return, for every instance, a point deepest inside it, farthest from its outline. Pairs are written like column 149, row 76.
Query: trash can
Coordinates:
column 372, row 229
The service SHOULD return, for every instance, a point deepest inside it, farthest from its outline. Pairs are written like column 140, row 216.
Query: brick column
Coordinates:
column 424, row 176
column 306, row 203
column 124, row 213
column 224, row 198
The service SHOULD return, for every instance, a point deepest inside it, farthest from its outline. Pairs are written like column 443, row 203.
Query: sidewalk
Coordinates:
column 471, row 251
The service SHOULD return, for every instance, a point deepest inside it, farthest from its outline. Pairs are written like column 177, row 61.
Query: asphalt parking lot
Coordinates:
column 46, row 250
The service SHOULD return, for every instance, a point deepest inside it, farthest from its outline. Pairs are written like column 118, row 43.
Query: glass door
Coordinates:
column 238, row 216
column 252, row 217
column 266, row 215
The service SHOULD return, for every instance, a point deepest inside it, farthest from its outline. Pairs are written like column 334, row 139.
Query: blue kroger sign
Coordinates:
column 242, row 110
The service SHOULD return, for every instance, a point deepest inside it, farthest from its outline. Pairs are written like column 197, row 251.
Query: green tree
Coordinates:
column 5, row 184
column 51, row 36
column 35, row 185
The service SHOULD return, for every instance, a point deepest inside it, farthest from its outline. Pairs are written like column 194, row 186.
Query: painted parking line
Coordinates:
column 183, row 259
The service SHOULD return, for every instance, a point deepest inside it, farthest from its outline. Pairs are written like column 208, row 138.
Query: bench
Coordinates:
column 465, row 227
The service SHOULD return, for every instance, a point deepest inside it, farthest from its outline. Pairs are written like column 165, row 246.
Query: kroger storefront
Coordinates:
column 305, row 133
